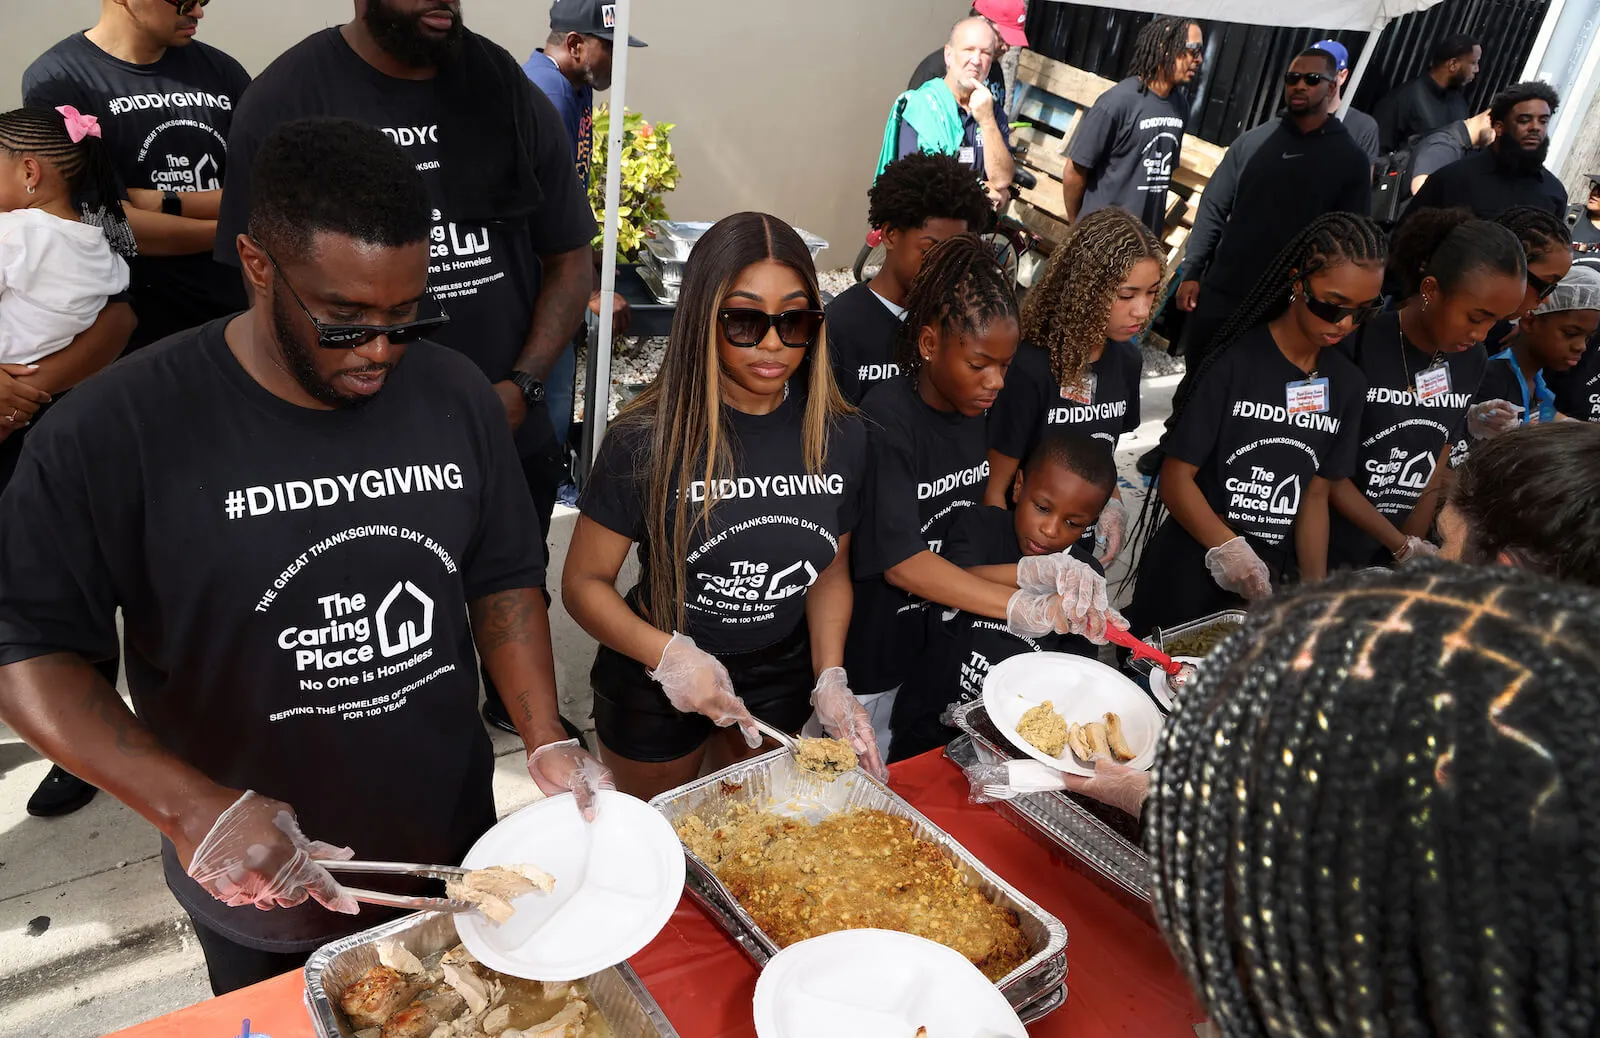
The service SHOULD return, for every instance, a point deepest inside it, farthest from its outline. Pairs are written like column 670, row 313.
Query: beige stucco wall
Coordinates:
column 780, row 103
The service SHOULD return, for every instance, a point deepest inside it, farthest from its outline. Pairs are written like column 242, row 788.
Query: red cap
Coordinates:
column 1008, row 17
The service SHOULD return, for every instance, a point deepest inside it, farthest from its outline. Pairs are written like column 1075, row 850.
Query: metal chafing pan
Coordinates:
column 1162, row 639
column 773, row 781
column 1099, row 836
column 616, row 992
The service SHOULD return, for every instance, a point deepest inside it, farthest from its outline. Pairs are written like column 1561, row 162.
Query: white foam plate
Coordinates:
column 617, row 883
column 875, row 984
column 1082, row 690
column 1158, row 682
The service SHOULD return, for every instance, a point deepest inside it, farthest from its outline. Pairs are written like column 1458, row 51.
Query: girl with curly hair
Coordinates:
column 1078, row 365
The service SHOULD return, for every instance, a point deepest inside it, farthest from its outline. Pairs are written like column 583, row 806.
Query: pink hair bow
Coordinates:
column 79, row 125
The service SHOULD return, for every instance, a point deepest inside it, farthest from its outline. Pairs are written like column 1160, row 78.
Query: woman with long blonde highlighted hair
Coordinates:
column 740, row 487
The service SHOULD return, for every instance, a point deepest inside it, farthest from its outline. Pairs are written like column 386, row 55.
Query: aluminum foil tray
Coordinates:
column 773, row 781
column 617, row 992
column 676, row 238
column 1099, row 836
column 1230, row 618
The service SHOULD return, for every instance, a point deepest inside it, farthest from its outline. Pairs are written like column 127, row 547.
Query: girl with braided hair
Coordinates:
column 63, row 240
column 928, row 464
column 1271, row 422
column 1373, row 813
column 1077, row 365
column 1423, row 364
column 1547, row 241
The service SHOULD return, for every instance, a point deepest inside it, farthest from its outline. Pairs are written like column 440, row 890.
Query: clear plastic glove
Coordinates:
column 843, row 717
column 1085, row 603
column 1236, row 567
column 1416, row 548
column 566, row 767
column 696, row 682
column 1117, row 785
column 1489, row 419
column 255, row 854
column 1110, row 532
column 1032, row 614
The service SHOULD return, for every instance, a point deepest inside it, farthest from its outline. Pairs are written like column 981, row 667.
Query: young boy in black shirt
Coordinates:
column 917, row 202
column 1060, row 493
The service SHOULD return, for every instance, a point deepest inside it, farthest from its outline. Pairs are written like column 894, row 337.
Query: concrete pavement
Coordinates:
column 90, row 939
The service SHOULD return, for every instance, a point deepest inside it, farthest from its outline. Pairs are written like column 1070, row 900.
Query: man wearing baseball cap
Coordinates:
column 1006, row 18
column 1585, row 230
column 574, row 62
column 1363, row 127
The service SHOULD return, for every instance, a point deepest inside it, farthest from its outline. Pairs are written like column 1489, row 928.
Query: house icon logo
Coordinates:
column 404, row 619
column 1418, row 471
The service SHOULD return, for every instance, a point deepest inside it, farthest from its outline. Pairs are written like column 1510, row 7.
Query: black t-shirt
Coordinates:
column 1578, row 390
column 1584, row 231
column 1130, row 142
column 962, row 647
column 862, row 331
column 773, row 529
column 1478, row 183
column 1416, row 108
column 925, row 468
column 1401, row 436
column 165, row 126
column 294, row 587
column 1031, row 401
column 485, row 276
column 1256, row 460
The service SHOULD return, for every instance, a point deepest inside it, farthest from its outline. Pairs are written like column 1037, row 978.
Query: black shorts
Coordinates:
column 634, row 719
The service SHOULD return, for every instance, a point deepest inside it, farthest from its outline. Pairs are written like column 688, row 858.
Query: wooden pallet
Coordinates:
column 1053, row 98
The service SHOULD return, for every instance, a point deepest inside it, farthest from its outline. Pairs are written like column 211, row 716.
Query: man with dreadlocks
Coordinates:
column 926, row 466
column 1127, row 146
column 917, row 202
column 1274, row 181
column 1272, row 421
column 1374, row 813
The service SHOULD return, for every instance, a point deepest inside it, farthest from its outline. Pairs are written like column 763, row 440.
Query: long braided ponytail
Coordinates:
column 1372, row 813
column 959, row 291
column 85, row 165
column 1066, row 310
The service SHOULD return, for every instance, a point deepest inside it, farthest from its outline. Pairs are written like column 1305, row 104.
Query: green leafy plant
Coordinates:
column 649, row 171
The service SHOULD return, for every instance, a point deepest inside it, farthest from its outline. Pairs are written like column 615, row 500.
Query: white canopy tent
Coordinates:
column 1367, row 15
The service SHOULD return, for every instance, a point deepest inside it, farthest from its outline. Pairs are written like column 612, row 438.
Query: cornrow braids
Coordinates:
column 959, row 291
column 920, row 186
column 1371, row 813
column 1066, row 311
column 1540, row 231
column 85, row 165
column 1157, row 47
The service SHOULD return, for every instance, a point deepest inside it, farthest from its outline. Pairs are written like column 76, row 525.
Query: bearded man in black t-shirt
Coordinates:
column 308, row 517
column 165, row 103
column 510, row 253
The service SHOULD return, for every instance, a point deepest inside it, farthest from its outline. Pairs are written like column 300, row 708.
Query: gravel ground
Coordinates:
column 635, row 360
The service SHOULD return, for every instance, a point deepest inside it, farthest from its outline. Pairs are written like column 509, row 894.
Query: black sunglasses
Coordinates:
column 1541, row 286
column 1333, row 313
column 742, row 326
column 1195, row 50
column 1311, row 78
column 186, row 7
column 352, row 336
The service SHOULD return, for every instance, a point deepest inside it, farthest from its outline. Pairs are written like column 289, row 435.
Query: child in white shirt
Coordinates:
column 63, row 236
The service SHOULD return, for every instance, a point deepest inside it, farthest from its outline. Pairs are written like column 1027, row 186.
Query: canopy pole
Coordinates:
column 597, row 391
column 1362, row 63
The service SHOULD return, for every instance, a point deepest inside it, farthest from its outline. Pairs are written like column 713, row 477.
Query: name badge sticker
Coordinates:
column 967, row 156
column 1307, row 397
column 1084, row 395
column 1433, row 383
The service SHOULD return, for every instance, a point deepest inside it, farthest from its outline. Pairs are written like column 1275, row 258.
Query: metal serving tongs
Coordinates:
column 401, row 868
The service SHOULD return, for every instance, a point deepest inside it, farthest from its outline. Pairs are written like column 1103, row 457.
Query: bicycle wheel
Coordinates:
column 1005, row 253
column 868, row 262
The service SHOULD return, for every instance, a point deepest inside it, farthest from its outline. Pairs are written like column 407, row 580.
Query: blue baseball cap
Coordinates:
column 1337, row 49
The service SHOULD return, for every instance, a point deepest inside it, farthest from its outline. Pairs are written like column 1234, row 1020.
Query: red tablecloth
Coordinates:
column 1121, row 978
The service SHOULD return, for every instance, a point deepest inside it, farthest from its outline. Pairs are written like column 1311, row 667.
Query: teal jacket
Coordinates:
column 931, row 110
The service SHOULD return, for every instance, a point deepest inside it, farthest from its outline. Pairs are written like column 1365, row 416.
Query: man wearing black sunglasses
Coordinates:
column 1274, row 180
column 165, row 102
column 307, row 518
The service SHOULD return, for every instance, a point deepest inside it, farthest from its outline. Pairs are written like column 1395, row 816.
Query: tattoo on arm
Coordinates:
column 133, row 738
column 503, row 619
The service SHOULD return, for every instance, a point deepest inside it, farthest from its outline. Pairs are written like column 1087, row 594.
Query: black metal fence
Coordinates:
column 1240, row 87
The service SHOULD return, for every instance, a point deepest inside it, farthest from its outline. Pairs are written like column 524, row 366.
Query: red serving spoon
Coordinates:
column 1178, row 674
